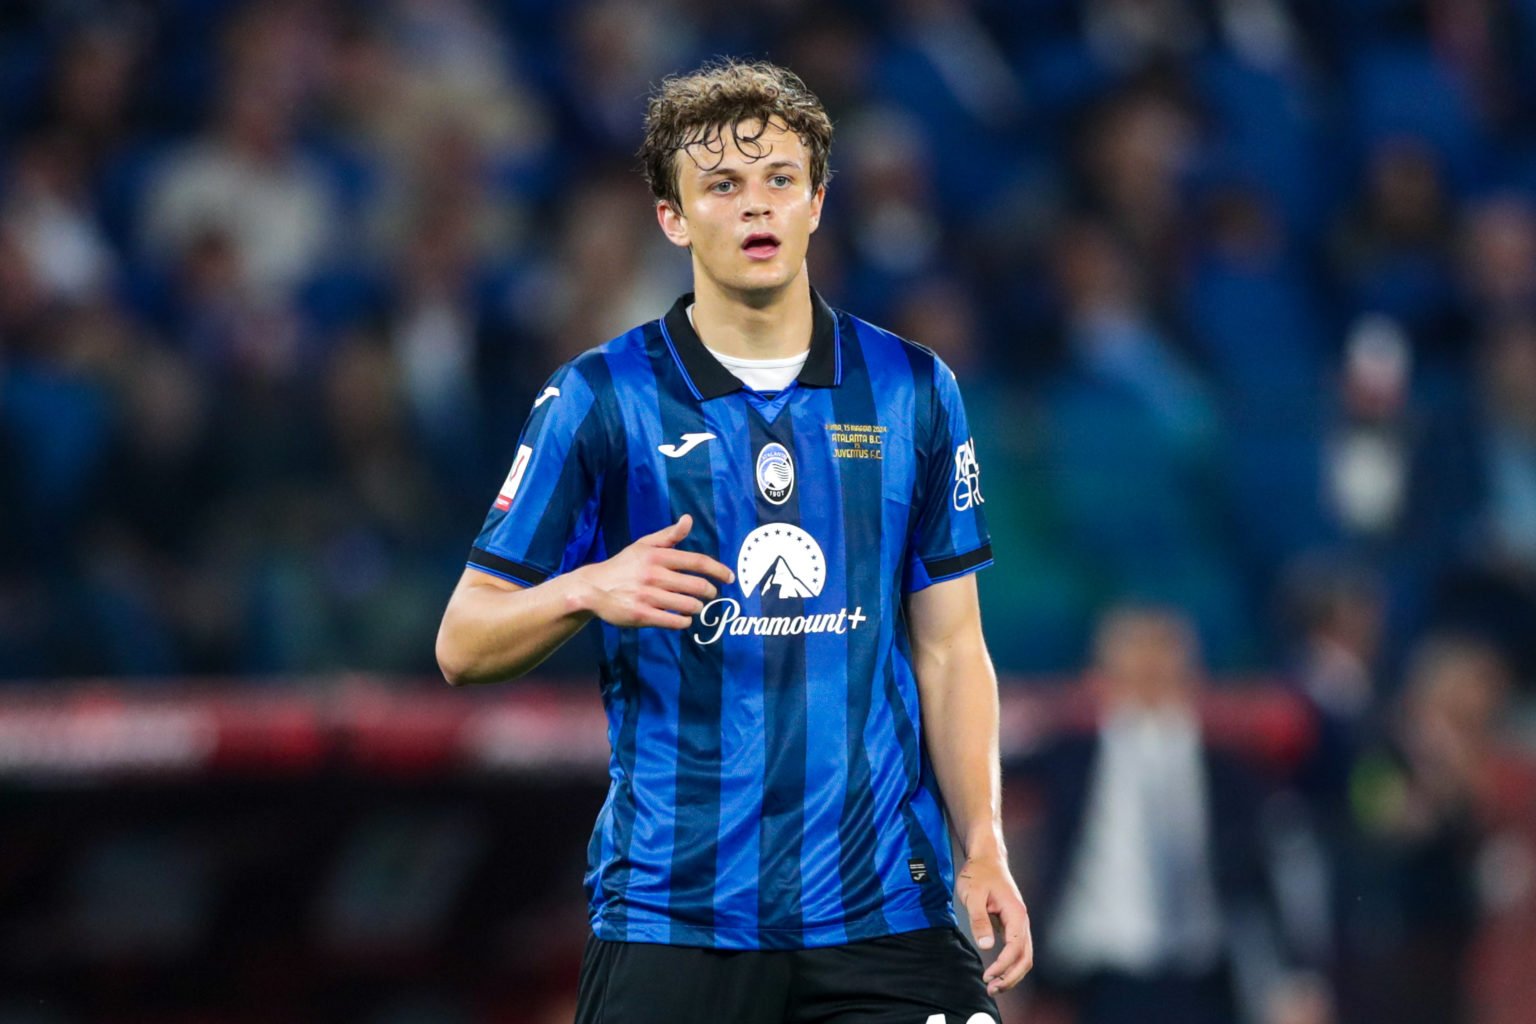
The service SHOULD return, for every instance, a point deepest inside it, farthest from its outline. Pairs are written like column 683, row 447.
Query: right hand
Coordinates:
column 651, row 583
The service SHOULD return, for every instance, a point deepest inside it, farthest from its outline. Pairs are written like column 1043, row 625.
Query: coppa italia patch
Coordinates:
column 514, row 478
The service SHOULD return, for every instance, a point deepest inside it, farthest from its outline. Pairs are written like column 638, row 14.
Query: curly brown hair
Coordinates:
column 698, row 108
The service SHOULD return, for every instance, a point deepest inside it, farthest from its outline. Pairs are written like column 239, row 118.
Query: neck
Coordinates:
column 756, row 325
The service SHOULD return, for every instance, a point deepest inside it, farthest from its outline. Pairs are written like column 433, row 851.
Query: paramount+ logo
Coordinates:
column 779, row 561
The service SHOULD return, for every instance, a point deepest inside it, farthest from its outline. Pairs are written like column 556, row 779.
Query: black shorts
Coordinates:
column 931, row 976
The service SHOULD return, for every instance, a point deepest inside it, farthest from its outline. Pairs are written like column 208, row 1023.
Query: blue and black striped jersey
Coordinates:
column 769, row 786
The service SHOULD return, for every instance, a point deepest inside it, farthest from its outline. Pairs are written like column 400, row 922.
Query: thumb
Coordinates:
column 671, row 536
column 981, row 922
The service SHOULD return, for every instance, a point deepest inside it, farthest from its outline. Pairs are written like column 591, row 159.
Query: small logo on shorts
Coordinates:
column 919, row 870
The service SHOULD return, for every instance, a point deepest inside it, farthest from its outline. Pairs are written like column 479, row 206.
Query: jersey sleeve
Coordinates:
column 949, row 536
column 544, row 520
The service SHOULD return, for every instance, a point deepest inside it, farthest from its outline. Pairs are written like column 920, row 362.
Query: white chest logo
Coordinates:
column 690, row 442
column 775, row 473
column 783, row 560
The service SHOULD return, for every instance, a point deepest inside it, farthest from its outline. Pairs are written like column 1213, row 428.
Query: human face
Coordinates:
column 746, row 216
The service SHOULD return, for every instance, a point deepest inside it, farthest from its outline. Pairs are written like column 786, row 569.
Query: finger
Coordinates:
column 666, row 600
column 683, row 583
column 663, row 620
column 1011, row 951
column 669, row 536
column 635, row 611
column 1016, row 929
column 1017, row 971
column 702, row 565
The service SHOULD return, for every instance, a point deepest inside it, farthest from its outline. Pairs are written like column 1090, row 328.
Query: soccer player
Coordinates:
column 775, row 510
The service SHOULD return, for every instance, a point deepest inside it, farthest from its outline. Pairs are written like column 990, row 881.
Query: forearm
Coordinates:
column 958, row 690
column 490, row 634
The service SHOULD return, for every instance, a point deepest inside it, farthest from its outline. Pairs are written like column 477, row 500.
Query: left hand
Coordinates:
column 986, row 890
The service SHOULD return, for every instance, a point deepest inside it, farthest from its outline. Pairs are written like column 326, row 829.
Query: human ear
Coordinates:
column 673, row 224
column 817, row 198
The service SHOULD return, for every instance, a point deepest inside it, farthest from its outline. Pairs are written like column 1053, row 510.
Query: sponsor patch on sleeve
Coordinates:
column 514, row 478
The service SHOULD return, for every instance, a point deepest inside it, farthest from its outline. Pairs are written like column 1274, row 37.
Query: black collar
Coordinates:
column 707, row 378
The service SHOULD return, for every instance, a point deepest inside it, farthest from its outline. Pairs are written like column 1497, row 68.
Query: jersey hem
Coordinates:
column 663, row 933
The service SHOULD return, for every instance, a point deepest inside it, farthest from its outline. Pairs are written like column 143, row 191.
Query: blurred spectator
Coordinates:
column 1336, row 614
column 1392, row 250
column 612, row 269
column 1154, row 901
column 1128, row 415
column 1478, row 497
column 347, row 562
column 90, row 97
column 941, row 66
column 1133, row 34
column 1509, row 395
column 1370, row 446
column 1419, row 803
column 1498, row 259
column 887, row 206
column 1136, row 152
column 246, row 179
column 1259, row 329
column 611, row 53
column 48, row 213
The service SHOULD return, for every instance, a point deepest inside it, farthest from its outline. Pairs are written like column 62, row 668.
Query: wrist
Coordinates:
column 985, row 842
column 581, row 593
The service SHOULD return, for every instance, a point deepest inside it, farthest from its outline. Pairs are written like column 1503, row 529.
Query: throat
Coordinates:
column 730, row 325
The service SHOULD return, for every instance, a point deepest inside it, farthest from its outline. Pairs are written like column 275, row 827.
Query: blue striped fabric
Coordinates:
column 769, row 787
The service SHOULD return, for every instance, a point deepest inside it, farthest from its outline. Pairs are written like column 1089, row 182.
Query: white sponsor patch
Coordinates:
column 967, row 477
column 785, row 559
column 777, row 561
column 514, row 477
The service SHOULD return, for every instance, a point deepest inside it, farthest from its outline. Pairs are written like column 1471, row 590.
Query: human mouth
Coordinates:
column 761, row 246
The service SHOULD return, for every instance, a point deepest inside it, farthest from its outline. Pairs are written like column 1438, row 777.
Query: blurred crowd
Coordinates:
column 1236, row 289
column 1241, row 294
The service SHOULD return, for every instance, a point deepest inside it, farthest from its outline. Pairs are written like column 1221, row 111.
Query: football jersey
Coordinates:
column 768, row 783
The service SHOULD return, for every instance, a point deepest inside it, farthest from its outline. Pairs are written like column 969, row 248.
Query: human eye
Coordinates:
column 781, row 180
column 723, row 187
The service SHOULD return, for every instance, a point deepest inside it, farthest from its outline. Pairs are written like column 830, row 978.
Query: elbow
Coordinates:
column 462, row 666
column 451, row 660
column 452, row 673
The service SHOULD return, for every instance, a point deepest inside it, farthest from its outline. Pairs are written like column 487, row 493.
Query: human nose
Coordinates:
column 754, row 202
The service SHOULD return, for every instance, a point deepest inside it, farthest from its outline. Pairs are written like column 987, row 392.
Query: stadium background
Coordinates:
column 1241, row 294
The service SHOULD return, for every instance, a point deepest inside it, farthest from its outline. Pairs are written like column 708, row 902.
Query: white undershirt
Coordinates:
column 760, row 374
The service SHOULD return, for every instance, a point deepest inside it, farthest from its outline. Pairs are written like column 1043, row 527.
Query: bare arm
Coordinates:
column 495, row 630
column 958, row 692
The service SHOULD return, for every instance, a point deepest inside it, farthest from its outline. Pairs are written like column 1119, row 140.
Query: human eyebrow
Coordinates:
column 771, row 166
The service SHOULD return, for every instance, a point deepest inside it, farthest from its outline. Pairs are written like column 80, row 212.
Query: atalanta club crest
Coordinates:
column 775, row 473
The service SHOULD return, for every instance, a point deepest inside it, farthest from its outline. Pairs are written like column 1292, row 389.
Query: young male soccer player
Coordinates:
column 774, row 509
